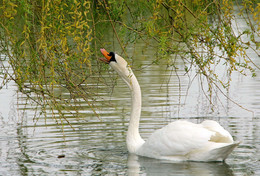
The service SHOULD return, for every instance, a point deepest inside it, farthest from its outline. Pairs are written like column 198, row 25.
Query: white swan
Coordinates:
column 180, row 140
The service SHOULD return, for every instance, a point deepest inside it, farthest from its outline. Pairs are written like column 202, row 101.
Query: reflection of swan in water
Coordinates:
column 180, row 140
column 138, row 165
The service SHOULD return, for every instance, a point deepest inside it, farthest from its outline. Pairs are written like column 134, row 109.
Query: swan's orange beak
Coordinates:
column 106, row 54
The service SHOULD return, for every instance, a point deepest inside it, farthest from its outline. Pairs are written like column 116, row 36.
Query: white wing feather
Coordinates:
column 180, row 138
column 221, row 135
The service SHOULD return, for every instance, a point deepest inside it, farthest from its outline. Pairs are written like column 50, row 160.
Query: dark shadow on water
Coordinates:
column 138, row 165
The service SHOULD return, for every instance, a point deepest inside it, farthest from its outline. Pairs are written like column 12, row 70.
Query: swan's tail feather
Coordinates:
column 221, row 153
column 214, row 152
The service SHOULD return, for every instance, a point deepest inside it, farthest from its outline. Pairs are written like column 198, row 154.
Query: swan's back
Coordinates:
column 183, row 140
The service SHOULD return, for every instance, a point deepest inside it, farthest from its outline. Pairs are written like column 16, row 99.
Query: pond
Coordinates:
column 96, row 146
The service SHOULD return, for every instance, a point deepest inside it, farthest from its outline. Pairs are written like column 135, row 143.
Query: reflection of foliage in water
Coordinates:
column 50, row 44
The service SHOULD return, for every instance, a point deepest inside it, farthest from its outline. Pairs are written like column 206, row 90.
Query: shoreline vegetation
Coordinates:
column 53, row 45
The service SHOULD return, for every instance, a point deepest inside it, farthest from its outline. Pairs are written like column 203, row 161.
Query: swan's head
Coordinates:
column 114, row 60
column 118, row 64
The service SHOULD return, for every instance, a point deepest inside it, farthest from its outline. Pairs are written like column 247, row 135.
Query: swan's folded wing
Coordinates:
column 176, row 139
column 221, row 135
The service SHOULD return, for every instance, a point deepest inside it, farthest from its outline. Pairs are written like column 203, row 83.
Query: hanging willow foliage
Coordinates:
column 47, row 44
column 52, row 44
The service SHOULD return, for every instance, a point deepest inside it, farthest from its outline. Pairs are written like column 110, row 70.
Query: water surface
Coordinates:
column 30, row 146
column 95, row 147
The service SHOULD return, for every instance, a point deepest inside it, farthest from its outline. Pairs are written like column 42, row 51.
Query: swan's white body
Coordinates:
column 180, row 140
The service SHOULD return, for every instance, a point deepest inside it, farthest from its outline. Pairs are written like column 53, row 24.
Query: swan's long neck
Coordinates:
column 134, row 140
